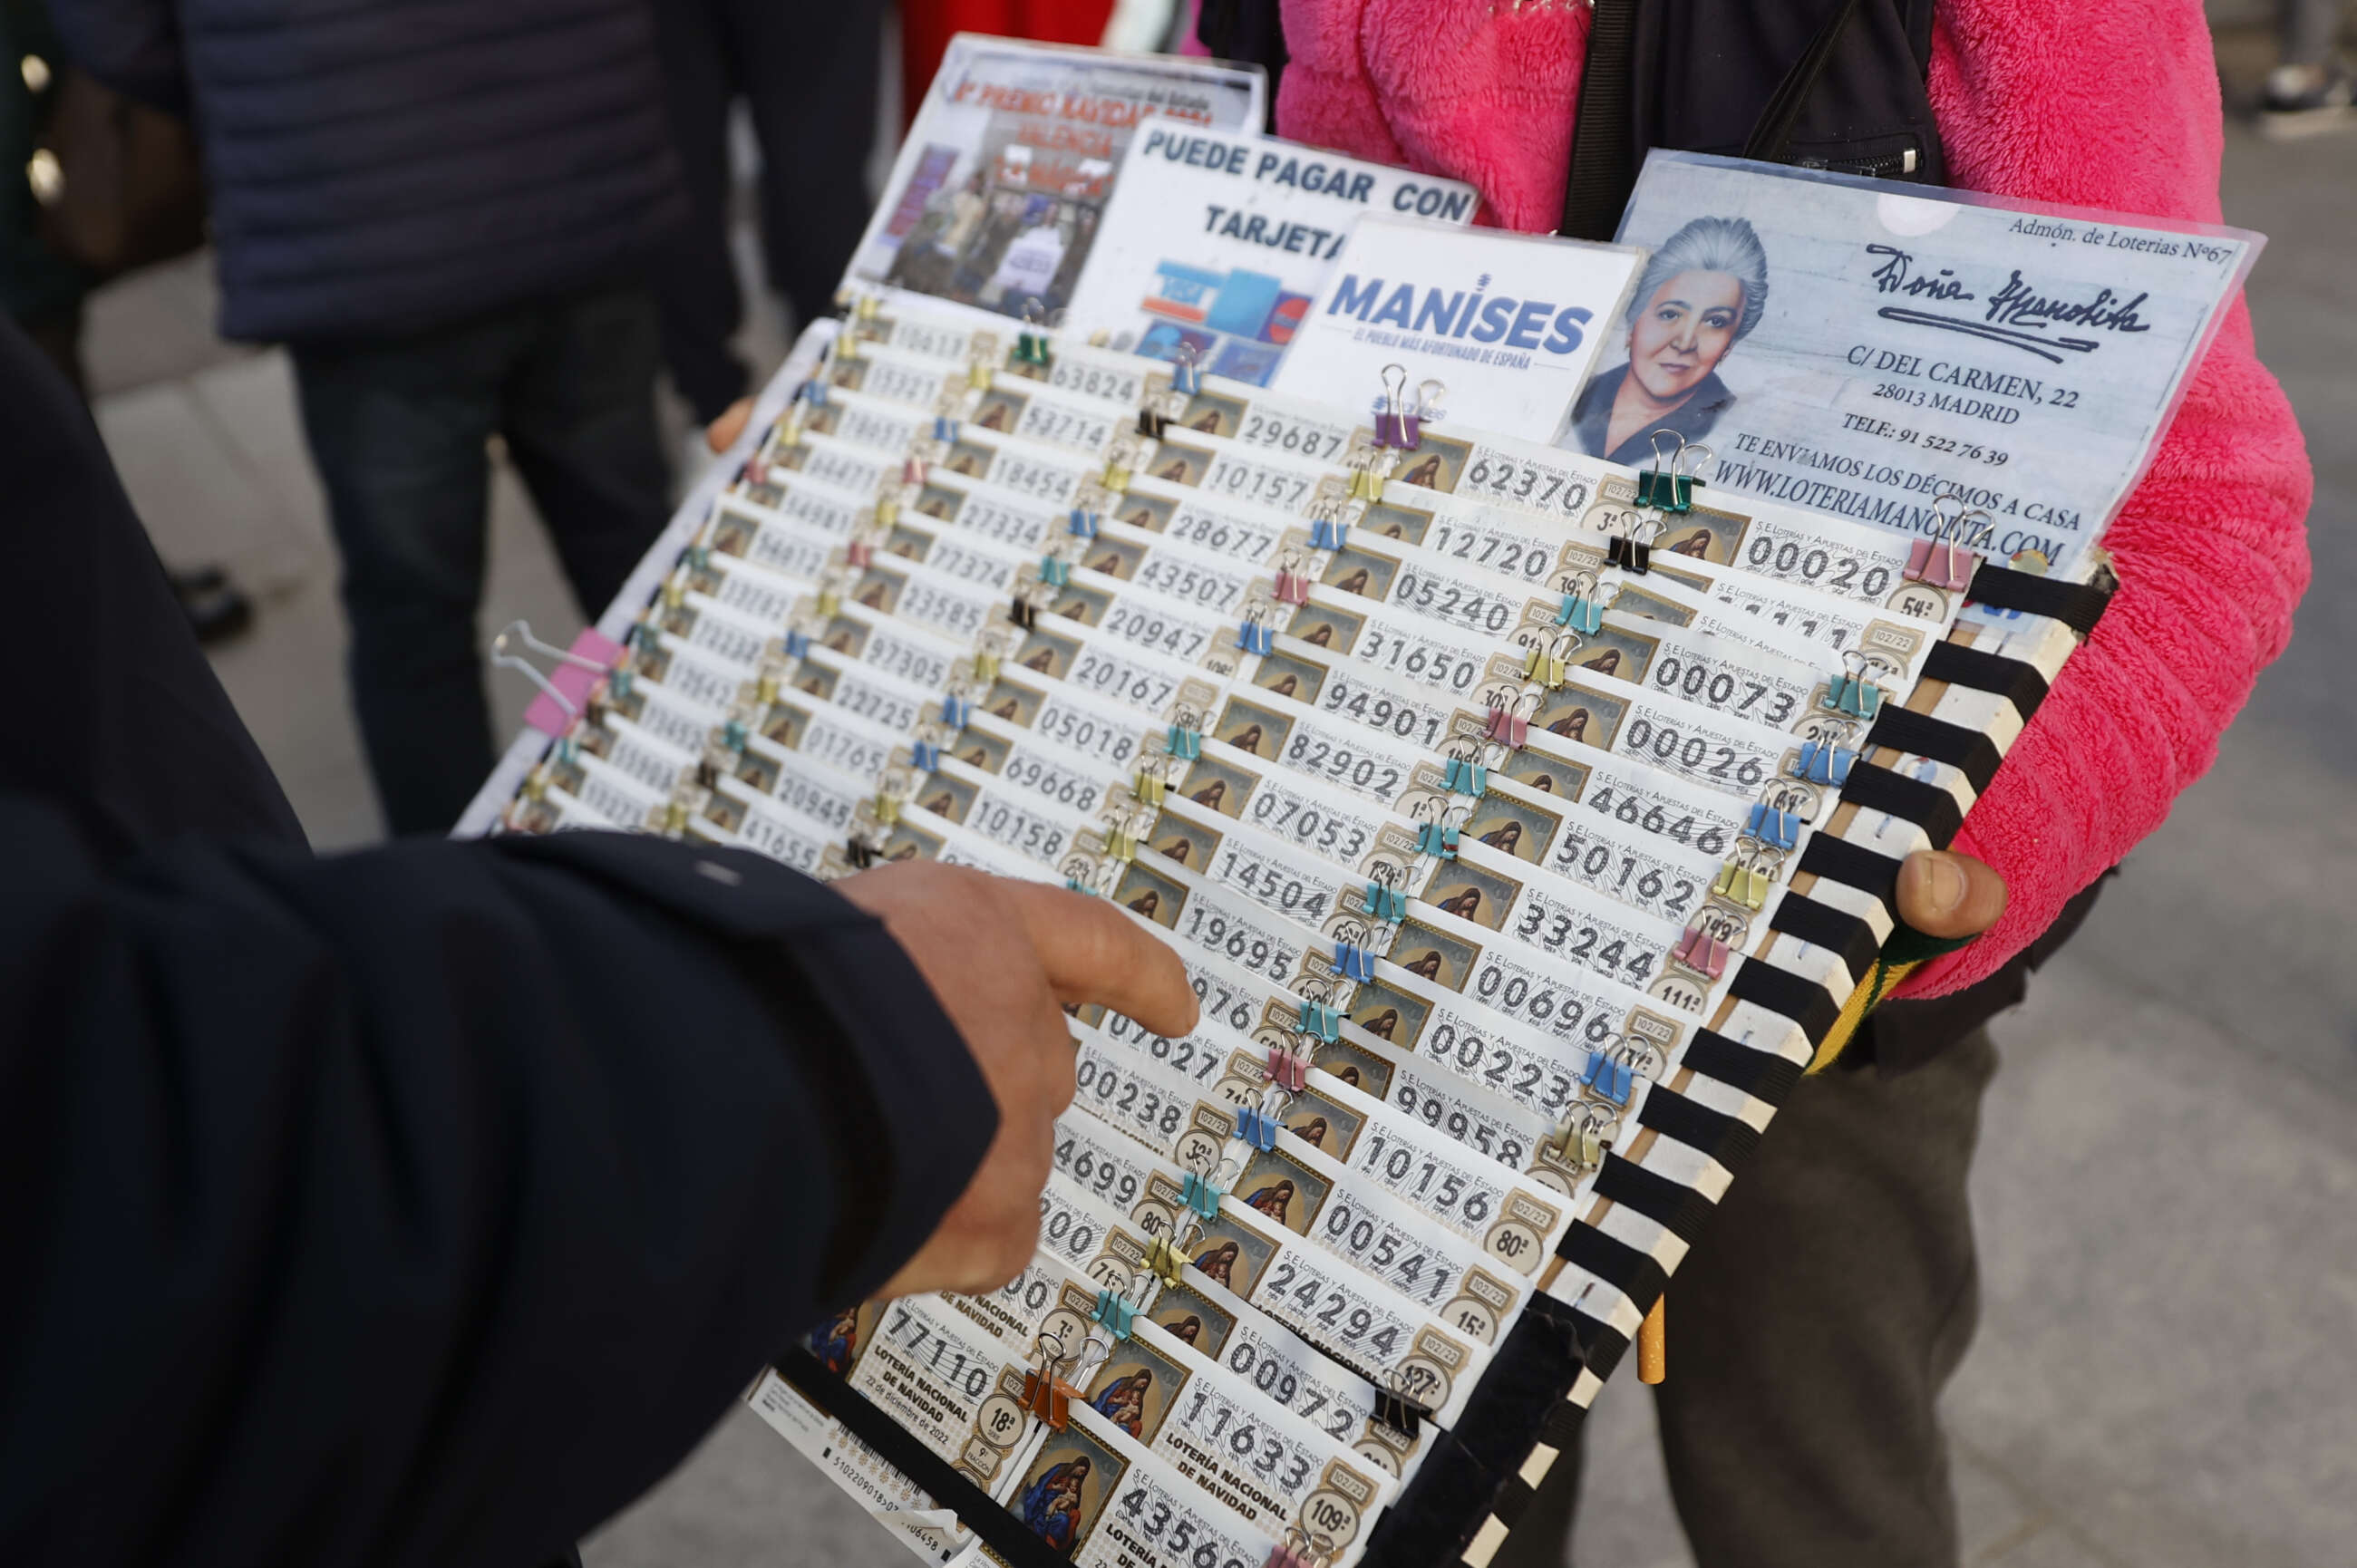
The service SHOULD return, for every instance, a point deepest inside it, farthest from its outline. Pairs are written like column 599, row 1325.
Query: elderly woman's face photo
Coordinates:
column 1684, row 331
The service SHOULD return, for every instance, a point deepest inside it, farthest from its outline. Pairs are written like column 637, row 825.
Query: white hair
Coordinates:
column 1710, row 245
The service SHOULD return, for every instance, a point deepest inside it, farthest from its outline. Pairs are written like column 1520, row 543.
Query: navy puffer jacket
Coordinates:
column 380, row 167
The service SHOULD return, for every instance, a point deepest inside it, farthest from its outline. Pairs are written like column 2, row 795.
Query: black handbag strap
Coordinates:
column 1771, row 135
column 1603, row 151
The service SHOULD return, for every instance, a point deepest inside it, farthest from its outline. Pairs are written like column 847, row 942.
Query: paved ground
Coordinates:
column 2168, row 1198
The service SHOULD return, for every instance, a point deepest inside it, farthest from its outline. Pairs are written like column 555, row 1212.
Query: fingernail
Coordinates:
column 1939, row 883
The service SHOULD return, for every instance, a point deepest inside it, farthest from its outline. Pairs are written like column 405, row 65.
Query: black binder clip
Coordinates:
column 861, row 856
column 1152, row 424
column 1632, row 550
column 1401, row 1413
column 1022, row 613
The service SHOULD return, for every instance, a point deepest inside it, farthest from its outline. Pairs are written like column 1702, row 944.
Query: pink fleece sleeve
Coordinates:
column 2211, row 547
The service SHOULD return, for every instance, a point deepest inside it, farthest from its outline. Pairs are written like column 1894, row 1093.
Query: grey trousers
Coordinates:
column 1810, row 1332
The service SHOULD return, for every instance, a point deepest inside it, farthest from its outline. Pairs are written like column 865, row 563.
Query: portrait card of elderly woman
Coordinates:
column 1702, row 293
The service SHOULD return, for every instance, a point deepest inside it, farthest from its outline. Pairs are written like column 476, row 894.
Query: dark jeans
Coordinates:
column 807, row 69
column 1810, row 1333
column 398, row 429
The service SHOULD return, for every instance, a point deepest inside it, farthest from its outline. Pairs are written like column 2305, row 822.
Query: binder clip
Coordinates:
column 797, row 645
column 924, row 755
column 1438, row 839
column 1257, row 1127
column 1614, row 1081
column 1399, row 1413
column 1055, row 571
column 1031, row 344
column 1581, row 1139
column 1319, row 1019
column 946, row 430
column 829, row 602
column 887, row 810
column 1083, row 522
column 1255, row 637
column 1285, row 1554
column 1387, row 905
column 979, row 375
column 1508, row 729
column 1366, row 485
column 1669, row 485
column 1353, row 962
column 1393, row 424
column 1464, row 777
column 1184, row 742
column 1776, row 829
column 1048, row 1398
column 859, row 554
column 1743, row 880
column 1326, row 533
column 1166, row 1262
column 1116, row 476
column 1120, row 845
column 985, row 666
column 1149, row 788
column 885, row 512
column 1701, row 950
column 957, row 711
column 1944, row 563
column 765, row 688
column 1116, row 1314
column 1582, row 612
column 1853, row 695
column 861, row 856
column 1631, row 554
column 912, row 472
column 732, row 736
column 1152, row 424
column 1289, row 1068
column 1292, row 589
column 1201, row 1194
column 1020, row 612
column 1546, row 666
column 1186, row 370
column 1824, row 760
column 641, row 637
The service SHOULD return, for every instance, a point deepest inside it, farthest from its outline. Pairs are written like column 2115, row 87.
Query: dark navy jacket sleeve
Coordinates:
column 132, row 45
column 422, row 1206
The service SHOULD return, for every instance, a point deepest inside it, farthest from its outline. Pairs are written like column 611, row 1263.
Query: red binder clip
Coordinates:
column 1292, row 587
column 859, row 553
column 1508, row 729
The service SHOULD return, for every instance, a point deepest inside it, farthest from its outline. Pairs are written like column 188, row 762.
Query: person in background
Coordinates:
column 447, row 212
column 807, row 70
column 419, row 1208
column 1835, row 1288
column 2310, row 89
column 43, row 290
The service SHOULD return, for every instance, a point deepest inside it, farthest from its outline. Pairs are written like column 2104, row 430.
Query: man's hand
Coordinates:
column 1943, row 895
column 722, row 433
column 1005, row 958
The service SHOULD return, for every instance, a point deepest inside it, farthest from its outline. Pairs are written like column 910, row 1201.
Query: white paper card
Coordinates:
column 1906, row 339
column 1218, row 243
column 1508, row 323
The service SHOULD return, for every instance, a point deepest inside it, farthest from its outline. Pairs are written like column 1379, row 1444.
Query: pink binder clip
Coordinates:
column 1292, row 587
column 564, row 691
column 1508, row 729
column 1700, row 950
column 859, row 553
column 1288, row 1069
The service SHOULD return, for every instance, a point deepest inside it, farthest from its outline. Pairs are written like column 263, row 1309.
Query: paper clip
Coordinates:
column 1354, row 961
column 1254, row 637
column 1148, row 788
column 1669, row 485
column 1699, row 948
column 1288, row 1069
column 1083, row 522
column 1326, row 533
column 957, row 711
column 1184, row 742
column 1166, row 1262
column 1030, row 344
column 1437, row 839
column 1201, row 1194
column 1186, row 370
column 1464, row 777
column 924, row 755
column 1777, row 830
column 1387, row 905
column 1116, row 1314
column 1292, row 589
column 1508, row 729
column 1316, row 1018
column 1152, row 423
column 1823, row 760
column 1055, row 571
column 1257, row 1127
column 1545, row 666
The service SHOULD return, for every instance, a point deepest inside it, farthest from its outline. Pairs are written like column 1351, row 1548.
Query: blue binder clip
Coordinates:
column 1778, row 830
column 1117, row 1315
column 957, row 711
column 1464, row 777
column 732, row 735
column 1184, row 742
column 1325, row 534
column 945, row 429
column 1614, row 1081
column 1824, row 762
column 1187, row 371
column 1386, row 903
column 797, row 643
column 1055, row 571
column 1202, row 1195
column 1255, row 637
column 1355, row 962
column 1257, row 1128
column 1580, row 614
column 924, row 755
column 1083, row 523
column 1322, row 1020
column 1437, row 839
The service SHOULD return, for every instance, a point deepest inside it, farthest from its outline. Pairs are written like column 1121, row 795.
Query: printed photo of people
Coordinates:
column 990, row 239
column 1066, row 1488
column 1703, row 292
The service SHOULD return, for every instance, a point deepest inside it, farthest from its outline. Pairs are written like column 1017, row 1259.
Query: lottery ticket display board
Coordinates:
column 1527, row 821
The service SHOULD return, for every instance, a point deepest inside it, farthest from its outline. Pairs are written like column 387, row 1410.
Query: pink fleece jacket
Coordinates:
column 2212, row 547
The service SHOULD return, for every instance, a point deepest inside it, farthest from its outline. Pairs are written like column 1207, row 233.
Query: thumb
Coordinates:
column 1094, row 952
column 1949, row 896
